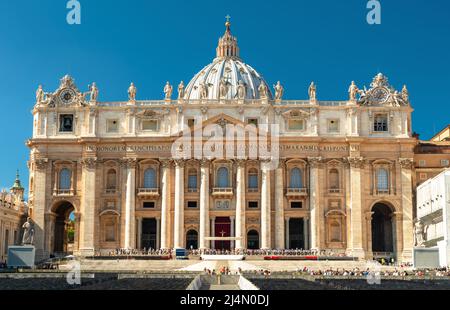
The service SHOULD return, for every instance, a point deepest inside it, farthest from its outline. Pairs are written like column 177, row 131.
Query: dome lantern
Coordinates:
column 228, row 46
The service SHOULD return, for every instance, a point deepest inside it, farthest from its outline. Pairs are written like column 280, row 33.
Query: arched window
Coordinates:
column 65, row 176
column 150, row 178
column 222, row 178
column 334, row 179
column 111, row 181
column 296, row 178
column 192, row 179
column 382, row 179
column 253, row 179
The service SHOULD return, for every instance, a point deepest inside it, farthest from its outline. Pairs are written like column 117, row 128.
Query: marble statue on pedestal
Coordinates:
column 241, row 90
column 40, row 94
column 312, row 92
column 262, row 90
column 353, row 91
column 279, row 91
column 132, row 92
column 168, row 90
column 28, row 232
column 93, row 92
column 181, row 90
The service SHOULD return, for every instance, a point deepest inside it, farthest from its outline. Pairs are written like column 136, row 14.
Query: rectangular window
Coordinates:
column 149, row 205
column 192, row 204
column 380, row 123
column 333, row 126
column 112, row 126
column 422, row 163
column 296, row 205
column 66, row 123
column 253, row 181
column 423, row 176
column 110, row 233
column 252, row 121
column 296, row 124
column 253, row 205
column 192, row 182
column 150, row 125
column 444, row 162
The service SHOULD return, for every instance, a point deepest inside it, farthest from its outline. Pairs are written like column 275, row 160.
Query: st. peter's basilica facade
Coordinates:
column 343, row 180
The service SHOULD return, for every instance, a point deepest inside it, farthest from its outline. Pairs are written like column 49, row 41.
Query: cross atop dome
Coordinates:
column 228, row 46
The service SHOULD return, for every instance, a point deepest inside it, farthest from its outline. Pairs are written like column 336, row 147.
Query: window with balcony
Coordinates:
column 192, row 181
column 150, row 179
column 111, row 181
column 382, row 181
column 334, row 181
column 380, row 123
column 223, row 178
column 65, row 179
column 296, row 178
column 253, row 180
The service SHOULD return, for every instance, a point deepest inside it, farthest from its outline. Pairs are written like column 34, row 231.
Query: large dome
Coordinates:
column 225, row 74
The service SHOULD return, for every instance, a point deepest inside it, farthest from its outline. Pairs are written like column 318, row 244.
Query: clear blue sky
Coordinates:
column 150, row 42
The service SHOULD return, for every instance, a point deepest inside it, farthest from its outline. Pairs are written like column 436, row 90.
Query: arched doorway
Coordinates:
column 382, row 229
column 64, row 229
column 192, row 240
column 253, row 240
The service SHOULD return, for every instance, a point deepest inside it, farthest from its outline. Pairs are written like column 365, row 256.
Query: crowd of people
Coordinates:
column 135, row 252
column 247, row 252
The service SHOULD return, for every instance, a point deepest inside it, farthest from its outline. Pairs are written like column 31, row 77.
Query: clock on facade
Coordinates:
column 380, row 94
column 67, row 96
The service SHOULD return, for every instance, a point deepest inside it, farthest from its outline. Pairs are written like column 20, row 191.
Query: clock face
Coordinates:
column 67, row 96
column 380, row 95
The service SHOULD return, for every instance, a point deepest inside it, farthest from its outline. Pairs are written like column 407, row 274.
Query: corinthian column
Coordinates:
column 279, row 207
column 204, row 204
column 314, row 205
column 179, row 204
column 165, row 193
column 356, row 217
column 130, row 202
column 240, row 203
column 407, row 208
column 87, row 236
column 265, row 205
column 39, row 167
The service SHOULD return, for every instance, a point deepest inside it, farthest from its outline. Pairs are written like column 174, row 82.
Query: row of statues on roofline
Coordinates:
column 241, row 92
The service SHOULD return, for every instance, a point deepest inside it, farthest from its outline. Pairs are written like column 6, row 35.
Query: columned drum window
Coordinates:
column 150, row 178
column 65, row 176
column 296, row 178
column 382, row 179
column 222, row 178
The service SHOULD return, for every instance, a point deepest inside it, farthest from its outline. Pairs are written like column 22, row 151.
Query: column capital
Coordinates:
column 282, row 163
column 129, row 163
column 314, row 161
column 179, row 163
column 240, row 162
column 406, row 163
column 205, row 163
column 355, row 162
column 89, row 162
column 41, row 163
column 165, row 162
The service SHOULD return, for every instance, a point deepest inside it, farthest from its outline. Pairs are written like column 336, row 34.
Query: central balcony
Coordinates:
column 222, row 191
column 296, row 192
column 148, row 192
column 63, row 192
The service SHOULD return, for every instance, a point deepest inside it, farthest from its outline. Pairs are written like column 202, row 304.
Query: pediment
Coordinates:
column 296, row 113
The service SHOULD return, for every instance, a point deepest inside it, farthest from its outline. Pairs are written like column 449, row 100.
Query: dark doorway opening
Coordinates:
column 382, row 232
column 148, row 238
column 253, row 240
column 64, row 233
column 296, row 234
column 222, row 229
column 192, row 240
